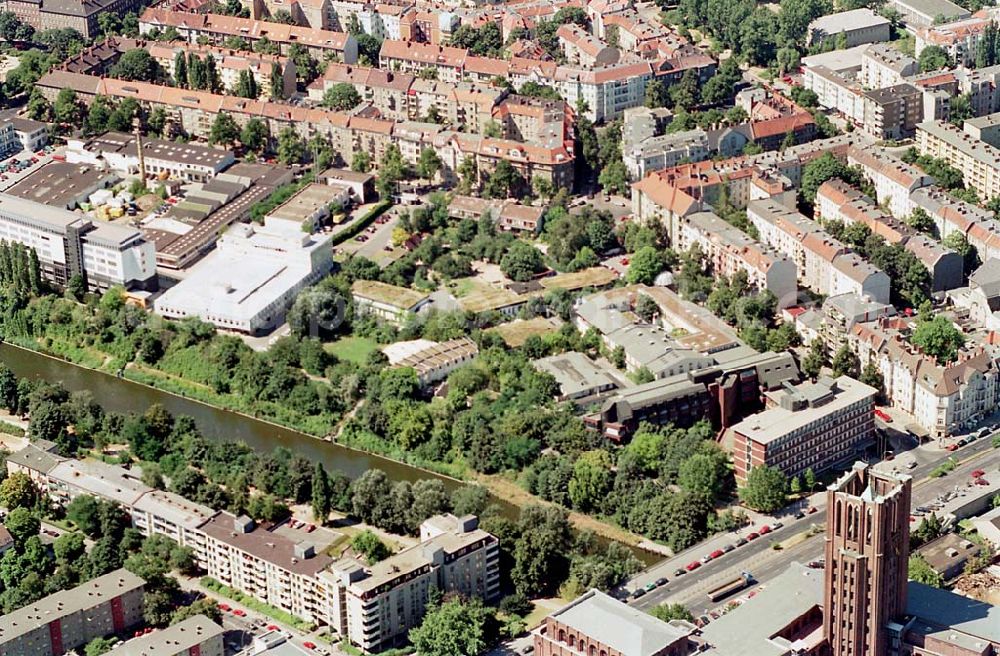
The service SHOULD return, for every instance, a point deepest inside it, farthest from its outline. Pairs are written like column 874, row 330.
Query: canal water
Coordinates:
column 122, row 395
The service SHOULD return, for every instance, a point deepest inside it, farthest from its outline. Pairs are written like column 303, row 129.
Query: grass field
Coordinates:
column 351, row 349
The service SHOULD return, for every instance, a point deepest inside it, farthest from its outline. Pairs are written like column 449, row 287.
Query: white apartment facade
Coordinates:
column 893, row 179
column 978, row 161
column 376, row 606
column 884, row 66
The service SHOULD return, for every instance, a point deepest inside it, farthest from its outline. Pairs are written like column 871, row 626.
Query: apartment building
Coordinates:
column 815, row 425
column 893, row 112
column 893, row 179
column 978, row 161
column 607, row 91
column 69, row 244
column 375, row 606
column 597, row 623
column 264, row 565
column 69, row 619
column 823, row 264
column 836, row 91
column 581, row 47
column 838, row 201
column 943, row 399
column 665, row 151
column 195, row 636
column 849, row 28
column 413, row 57
column 884, row 66
column 728, row 249
column 960, row 39
column 216, row 28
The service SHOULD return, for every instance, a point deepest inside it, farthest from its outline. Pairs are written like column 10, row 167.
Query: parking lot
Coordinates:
column 20, row 165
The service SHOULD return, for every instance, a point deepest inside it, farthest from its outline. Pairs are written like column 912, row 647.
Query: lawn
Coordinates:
column 351, row 349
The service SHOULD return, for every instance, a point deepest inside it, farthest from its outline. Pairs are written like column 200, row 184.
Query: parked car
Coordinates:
column 718, row 553
column 680, row 572
column 649, row 587
column 309, row 645
column 638, row 593
column 740, row 542
column 799, row 515
column 775, row 526
column 707, row 558
column 752, row 536
column 692, row 566
column 728, row 548
column 661, row 581
column 764, row 530
column 239, row 612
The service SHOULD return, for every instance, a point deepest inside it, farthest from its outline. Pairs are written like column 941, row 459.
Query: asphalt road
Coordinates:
column 764, row 562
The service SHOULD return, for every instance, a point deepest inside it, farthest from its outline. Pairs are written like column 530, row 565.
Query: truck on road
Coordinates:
column 731, row 586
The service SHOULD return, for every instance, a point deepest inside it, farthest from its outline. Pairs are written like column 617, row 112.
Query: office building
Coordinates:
column 67, row 620
column 867, row 549
column 596, row 623
column 375, row 606
column 195, row 636
column 808, row 426
column 69, row 244
column 577, row 375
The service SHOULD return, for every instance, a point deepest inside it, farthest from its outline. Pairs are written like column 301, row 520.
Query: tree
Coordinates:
column 246, row 85
column 137, row 65
column 646, row 264
column 845, row 362
column 429, row 164
column 84, row 512
column 254, row 135
column 705, row 473
column 918, row 569
column 224, row 130
column 392, row 168
column 66, row 108
column 361, row 162
column 614, row 176
column 521, row 261
column 321, row 503
column 646, row 308
column 180, row 69
column 809, row 479
column 818, row 171
column 22, row 525
column 457, row 627
column 813, row 363
column 921, row 221
column 938, row 337
column 504, row 182
column 685, row 93
column 342, row 97
column 933, row 58
column 291, row 147
column 591, row 480
column 667, row 612
column 277, row 82
column 370, row 546
column 958, row 242
column 316, row 312
column 18, row 491
column 765, row 489
column 871, row 375
column 656, row 94
column 99, row 646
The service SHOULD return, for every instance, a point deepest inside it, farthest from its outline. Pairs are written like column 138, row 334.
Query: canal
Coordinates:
column 120, row 395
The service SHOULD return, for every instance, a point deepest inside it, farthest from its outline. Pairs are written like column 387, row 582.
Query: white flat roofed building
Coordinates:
column 69, row 244
column 857, row 26
column 70, row 619
column 433, row 361
column 251, row 279
column 182, row 161
column 666, row 151
column 72, row 478
column 159, row 512
column 195, row 636
column 884, row 66
column 811, row 425
column 923, row 13
column 577, row 375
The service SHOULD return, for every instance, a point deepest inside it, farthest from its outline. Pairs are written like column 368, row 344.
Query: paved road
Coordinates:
column 760, row 559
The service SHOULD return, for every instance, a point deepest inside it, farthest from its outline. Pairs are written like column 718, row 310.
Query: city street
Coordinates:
column 760, row 559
